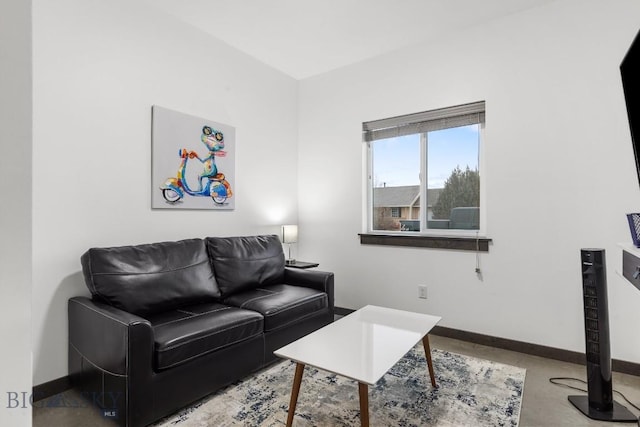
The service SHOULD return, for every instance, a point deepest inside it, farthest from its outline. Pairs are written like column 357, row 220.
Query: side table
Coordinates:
column 301, row 264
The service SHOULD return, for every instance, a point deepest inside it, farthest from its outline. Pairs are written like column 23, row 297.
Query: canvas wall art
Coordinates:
column 193, row 162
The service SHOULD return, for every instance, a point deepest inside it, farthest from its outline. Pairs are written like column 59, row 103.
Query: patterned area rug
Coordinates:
column 471, row 392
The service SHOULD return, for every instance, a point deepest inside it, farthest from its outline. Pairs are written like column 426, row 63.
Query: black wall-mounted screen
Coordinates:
column 630, row 72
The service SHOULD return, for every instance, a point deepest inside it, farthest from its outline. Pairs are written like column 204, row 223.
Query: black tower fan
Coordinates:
column 599, row 403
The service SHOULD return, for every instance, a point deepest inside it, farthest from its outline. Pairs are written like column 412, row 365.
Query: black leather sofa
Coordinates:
column 171, row 322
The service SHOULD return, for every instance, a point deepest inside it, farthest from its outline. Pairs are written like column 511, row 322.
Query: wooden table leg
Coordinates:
column 427, row 352
column 297, row 379
column 364, row 404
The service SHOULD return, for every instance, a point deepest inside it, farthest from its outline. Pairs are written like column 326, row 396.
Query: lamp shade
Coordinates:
column 289, row 233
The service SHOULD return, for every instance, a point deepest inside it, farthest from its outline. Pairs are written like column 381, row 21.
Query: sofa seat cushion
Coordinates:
column 281, row 305
column 188, row 332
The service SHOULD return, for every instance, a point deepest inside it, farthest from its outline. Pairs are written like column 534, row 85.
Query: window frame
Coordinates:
column 422, row 123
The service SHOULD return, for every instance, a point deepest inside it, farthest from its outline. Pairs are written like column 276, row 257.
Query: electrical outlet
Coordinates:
column 422, row 291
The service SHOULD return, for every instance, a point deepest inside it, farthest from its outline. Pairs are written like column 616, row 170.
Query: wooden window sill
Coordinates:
column 480, row 244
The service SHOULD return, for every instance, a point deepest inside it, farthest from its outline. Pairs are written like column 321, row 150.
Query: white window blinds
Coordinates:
column 443, row 118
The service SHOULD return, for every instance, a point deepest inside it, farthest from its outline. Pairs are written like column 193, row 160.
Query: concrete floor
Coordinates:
column 544, row 404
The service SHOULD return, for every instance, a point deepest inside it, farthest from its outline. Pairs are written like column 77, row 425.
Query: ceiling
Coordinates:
column 303, row 38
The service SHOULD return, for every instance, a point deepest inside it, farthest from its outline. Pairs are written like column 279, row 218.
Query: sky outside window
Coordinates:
column 396, row 161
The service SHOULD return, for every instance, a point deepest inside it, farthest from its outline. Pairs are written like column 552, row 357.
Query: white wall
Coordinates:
column 99, row 66
column 15, row 211
column 560, row 173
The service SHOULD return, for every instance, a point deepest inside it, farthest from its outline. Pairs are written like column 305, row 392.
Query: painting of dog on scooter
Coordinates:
column 193, row 162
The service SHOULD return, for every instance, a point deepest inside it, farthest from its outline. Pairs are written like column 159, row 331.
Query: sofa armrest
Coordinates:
column 319, row 280
column 111, row 339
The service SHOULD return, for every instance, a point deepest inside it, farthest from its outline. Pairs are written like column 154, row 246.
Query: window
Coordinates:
column 428, row 165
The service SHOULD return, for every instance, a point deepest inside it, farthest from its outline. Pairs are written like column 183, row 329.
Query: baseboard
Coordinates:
column 521, row 347
column 342, row 311
column 48, row 389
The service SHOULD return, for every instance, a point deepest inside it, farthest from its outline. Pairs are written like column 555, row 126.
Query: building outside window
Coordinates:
column 442, row 146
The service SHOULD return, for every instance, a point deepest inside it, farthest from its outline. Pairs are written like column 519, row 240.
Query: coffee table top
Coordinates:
column 363, row 345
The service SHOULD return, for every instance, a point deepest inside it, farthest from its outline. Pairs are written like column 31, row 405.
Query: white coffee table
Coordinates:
column 362, row 346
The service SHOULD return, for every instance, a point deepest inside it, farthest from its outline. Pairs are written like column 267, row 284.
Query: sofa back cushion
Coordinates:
column 243, row 263
column 150, row 278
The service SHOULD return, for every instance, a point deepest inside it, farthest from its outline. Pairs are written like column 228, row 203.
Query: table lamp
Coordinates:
column 289, row 236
